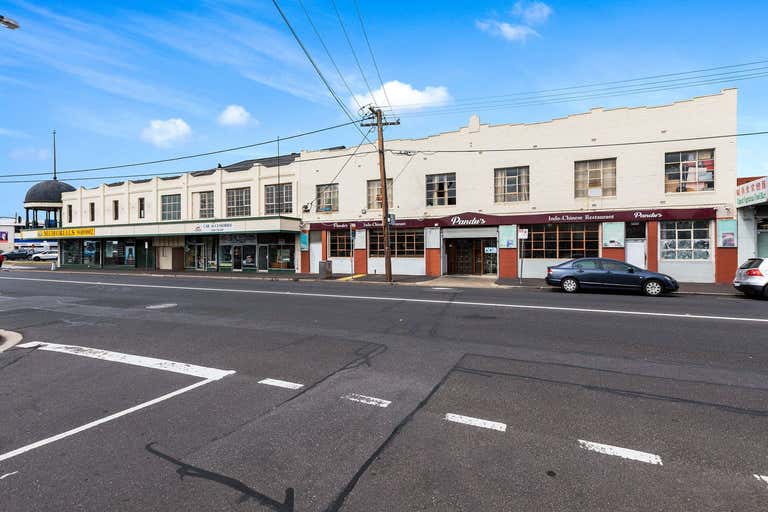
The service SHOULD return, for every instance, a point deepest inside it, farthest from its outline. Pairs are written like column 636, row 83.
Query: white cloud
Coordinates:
column 506, row 30
column 532, row 13
column 5, row 132
column 404, row 97
column 164, row 134
column 234, row 115
column 30, row 154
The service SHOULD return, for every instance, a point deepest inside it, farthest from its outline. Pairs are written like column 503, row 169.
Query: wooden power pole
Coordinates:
column 380, row 124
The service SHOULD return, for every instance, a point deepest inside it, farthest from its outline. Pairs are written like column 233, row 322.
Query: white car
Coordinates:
column 44, row 255
column 752, row 277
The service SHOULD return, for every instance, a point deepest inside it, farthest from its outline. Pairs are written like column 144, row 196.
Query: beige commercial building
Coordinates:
column 654, row 186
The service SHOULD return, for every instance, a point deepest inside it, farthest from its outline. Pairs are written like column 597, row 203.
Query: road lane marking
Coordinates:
column 564, row 309
column 8, row 474
column 618, row 451
column 117, row 357
column 68, row 433
column 281, row 383
column 368, row 400
column 476, row 422
column 161, row 306
column 762, row 478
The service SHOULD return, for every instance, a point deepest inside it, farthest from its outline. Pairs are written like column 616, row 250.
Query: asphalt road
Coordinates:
column 225, row 394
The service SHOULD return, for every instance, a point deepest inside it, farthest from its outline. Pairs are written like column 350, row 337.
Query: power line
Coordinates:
column 330, row 57
column 728, row 75
column 597, row 84
column 370, row 49
column 352, row 48
column 550, row 148
column 333, row 180
column 177, row 158
column 314, row 65
column 585, row 97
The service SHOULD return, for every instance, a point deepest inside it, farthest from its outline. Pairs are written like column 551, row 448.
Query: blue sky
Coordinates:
column 142, row 80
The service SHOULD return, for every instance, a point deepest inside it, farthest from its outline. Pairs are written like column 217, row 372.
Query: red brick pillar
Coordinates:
column 726, row 263
column 507, row 263
column 615, row 253
column 653, row 246
column 324, row 253
column 432, row 260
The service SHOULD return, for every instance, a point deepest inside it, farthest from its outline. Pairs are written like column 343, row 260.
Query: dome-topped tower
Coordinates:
column 46, row 197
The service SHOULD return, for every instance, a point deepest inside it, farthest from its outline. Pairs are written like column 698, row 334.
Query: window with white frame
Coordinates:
column 441, row 189
column 595, row 178
column 238, row 202
column 170, row 207
column 204, row 202
column 374, row 194
column 278, row 198
column 685, row 240
column 328, row 197
column 510, row 184
column 689, row 171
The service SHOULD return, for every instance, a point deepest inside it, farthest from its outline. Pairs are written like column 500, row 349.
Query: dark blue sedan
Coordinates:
column 607, row 274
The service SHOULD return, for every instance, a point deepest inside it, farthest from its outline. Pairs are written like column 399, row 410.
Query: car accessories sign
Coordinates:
column 63, row 233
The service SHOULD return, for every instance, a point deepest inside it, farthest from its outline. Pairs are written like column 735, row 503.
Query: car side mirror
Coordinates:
column 630, row 270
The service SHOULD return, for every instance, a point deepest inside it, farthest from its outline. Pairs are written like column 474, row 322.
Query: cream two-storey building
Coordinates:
column 653, row 186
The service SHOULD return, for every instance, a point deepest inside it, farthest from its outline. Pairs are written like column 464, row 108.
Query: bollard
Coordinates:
column 53, row 266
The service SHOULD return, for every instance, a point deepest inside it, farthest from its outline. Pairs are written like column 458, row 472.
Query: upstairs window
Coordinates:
column 170, row 207
column 278, row 199
column 374, row 194
column 141, row 208
column 239, row 202
column 205, row 204
column 595, row 178
column 689, row 171
column 69, row 214
column 328, row 197
column 510, row 184
column 115, row 210
column 92, row 211
column 441, row 189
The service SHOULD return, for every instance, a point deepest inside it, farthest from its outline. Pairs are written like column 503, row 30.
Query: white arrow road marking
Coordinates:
column 762, row 478
column 476, row 422
column 281, row 383
column 117, row 357
column 618, row 451
column 368, row 400
column 8, row 474
column 161, row 306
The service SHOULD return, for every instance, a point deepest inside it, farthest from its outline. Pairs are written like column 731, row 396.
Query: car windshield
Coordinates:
column 751, row 263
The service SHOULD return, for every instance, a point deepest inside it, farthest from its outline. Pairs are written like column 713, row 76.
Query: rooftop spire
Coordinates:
column 54, row 155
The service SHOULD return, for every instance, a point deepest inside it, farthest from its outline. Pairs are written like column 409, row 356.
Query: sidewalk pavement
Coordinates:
column 438, row 281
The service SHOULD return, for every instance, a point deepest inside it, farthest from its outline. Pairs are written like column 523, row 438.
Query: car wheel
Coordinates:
column 653, row 288
column 765, row 292
column 569, row 285
column 35, row 259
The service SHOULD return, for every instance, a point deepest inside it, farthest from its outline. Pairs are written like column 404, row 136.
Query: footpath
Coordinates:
column 399, row 280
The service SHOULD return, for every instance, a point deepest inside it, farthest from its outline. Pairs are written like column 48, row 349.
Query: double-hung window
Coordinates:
column 595, row 178
column 689, row 171
column 685, row 240
column 328, row 197
column 340, row 244
column 170, row 207
column 238, row 202
column 278, row 198
column 510, row 184
column 441, row 189
column 374, row 194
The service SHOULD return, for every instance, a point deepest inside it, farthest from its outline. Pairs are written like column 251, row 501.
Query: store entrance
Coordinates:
column 471, row 256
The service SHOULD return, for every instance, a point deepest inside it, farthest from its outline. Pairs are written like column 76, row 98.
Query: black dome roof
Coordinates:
column 47, row 192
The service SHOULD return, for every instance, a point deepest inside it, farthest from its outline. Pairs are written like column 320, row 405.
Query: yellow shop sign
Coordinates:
column 60, row 233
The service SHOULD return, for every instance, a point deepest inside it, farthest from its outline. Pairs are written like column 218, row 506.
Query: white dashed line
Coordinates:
column 368, row 400
column 161, row 306
column 476, row 422
column 624, row 453
column 281, row 383
column 762, row 478
column 117, row 357
column 8, row 474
